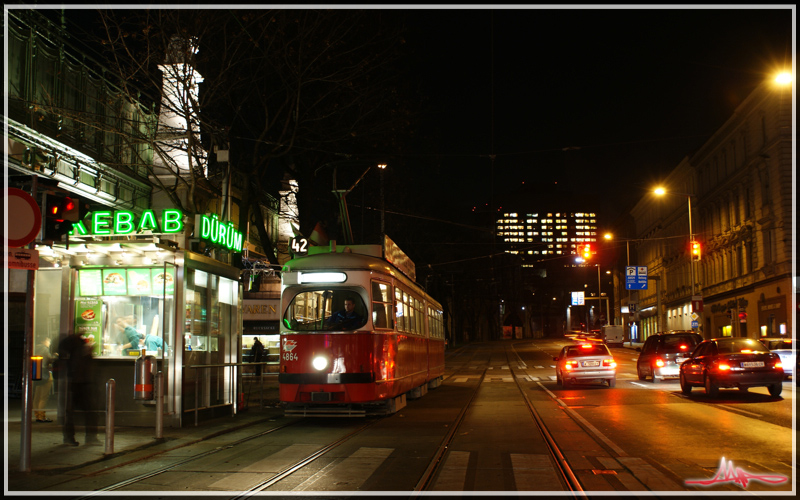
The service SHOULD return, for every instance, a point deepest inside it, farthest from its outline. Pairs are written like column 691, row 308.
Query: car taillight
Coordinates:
column 724, row 366
column 586, row 346
column 778, row 365
column 610, row 363
column 683, row 347
column 569, row 365
column 659, row 362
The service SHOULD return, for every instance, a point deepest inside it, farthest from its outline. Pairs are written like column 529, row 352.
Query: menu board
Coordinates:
column 90, row 282
column 114, row 282
column 140, row 282
column 160, row 279
column 131, row 281
column 89, row 321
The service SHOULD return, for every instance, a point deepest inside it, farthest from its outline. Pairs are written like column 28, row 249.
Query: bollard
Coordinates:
column 159, row 406
column 111, row 394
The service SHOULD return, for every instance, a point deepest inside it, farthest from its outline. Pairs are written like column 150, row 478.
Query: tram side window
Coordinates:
column 400, row 316
column 382, row 316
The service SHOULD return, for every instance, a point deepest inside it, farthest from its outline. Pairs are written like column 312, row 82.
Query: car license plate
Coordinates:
column 752, row 364
column 591, row 363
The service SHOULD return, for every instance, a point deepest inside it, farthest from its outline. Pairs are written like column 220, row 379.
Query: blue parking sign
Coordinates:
column 636, row 278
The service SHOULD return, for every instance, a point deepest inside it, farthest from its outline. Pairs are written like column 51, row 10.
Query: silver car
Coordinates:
column 586, row 362
column 784, row 348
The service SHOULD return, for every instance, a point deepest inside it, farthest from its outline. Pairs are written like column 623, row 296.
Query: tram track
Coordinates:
column 476, row 369
column 141, row 477
column 567, row 475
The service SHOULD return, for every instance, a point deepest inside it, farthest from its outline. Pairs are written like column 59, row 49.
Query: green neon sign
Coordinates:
column 210, row 228
column 123, row 222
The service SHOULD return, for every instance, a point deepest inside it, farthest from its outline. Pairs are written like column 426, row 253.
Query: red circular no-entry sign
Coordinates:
column 24, row 217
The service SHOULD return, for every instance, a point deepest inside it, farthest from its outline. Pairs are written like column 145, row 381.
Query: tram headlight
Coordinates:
column 320, row 363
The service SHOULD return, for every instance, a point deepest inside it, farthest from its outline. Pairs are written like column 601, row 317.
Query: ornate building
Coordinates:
column 739, row 188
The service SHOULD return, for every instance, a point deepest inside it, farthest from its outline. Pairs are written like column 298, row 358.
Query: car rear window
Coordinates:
column 592, row 350
column 680, row 343
column 728, row 346
column 779, row 344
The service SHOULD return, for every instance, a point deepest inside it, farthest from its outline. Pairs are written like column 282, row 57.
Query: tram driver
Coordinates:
column 347, row 318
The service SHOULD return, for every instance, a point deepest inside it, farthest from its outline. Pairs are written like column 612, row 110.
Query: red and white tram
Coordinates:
column 358, row 335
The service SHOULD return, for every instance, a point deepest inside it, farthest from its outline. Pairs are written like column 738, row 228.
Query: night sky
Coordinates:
column 582, row 109
column 597, row 105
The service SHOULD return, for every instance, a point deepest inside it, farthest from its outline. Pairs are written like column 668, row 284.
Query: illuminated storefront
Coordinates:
column 131, row 294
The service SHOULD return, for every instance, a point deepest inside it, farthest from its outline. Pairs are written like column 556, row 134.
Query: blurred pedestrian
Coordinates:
column 42, row 388
column 257, row 354
column 75, row 354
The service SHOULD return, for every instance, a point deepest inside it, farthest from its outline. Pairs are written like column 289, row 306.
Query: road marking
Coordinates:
column 282, row 458
column 348, row 474
column 534, row 473
column 649, row 475
column 453, row 473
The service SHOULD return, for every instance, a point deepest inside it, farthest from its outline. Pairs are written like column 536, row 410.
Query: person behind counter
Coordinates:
column 129, row 336
column 152, row 342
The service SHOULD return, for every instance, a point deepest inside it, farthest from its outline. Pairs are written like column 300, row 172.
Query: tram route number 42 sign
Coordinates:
column 298, row 246
column 636, row 278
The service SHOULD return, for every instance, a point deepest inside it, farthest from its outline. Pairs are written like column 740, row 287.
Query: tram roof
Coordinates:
column 348, row 257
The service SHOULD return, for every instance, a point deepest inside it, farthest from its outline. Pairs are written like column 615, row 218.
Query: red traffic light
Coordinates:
column 586, row 251
column 696, row 250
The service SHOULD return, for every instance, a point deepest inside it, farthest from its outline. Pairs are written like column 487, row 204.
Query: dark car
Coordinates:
column 661, row 355
column 587, row 361
column 732, row 362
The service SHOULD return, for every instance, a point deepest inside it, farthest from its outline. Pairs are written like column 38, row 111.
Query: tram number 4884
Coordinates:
column 299, row 246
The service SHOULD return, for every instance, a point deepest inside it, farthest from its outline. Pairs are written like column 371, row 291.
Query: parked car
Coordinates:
column 732, row 362
column 784, row 348
column 661, row 355
column 585, row 362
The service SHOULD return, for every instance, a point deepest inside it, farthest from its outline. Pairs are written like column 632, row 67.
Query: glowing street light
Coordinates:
column 783, row 78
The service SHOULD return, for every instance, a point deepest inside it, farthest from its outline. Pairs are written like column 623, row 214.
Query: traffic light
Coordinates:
column 61, row 212
column 696, row 250
column 586, row 251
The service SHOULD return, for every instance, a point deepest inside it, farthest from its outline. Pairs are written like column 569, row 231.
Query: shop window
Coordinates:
column 126, row 311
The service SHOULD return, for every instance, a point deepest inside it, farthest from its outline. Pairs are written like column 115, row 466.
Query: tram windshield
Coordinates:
column 325, row 309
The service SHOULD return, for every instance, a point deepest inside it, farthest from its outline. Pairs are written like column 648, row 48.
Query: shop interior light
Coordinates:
column 331, row 277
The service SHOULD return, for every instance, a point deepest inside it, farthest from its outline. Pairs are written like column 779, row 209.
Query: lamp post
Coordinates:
column 660, row 191
column 382, row 167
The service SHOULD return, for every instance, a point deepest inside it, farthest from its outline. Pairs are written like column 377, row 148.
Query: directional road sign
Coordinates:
column 636, row 278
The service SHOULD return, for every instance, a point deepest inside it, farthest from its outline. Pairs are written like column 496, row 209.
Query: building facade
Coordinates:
column 537, row 236
column 739, row 188
column 141, row 260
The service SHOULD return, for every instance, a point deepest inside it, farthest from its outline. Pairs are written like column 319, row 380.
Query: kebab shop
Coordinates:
column 132, row 292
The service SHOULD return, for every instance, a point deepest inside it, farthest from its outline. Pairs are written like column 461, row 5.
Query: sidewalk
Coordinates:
column 51, row 458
